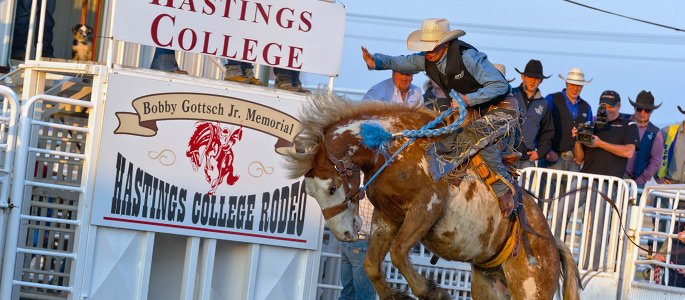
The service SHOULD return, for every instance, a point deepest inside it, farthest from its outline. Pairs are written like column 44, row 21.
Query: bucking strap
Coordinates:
column 510, row 247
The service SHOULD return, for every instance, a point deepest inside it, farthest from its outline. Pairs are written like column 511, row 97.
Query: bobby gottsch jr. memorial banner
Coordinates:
column 201, row 162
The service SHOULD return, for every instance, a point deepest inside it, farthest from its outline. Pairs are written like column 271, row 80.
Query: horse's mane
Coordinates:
column 323, row 110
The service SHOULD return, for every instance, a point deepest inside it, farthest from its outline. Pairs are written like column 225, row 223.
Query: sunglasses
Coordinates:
column 644, row 109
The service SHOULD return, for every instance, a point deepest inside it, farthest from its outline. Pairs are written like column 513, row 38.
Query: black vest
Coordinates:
column 563, row 122
column 532, row 114
column 457, row 77
column 642, row 155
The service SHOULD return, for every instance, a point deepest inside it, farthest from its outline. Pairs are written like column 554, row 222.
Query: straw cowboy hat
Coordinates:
column 575, row 76
column 644, row 100
column 502, row 69
column 433, row 32
column 533, row 69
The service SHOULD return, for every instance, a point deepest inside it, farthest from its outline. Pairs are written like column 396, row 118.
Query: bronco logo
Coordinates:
column 212, row 145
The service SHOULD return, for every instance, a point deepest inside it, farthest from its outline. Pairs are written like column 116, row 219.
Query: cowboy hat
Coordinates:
column 433, row 32
column 533, row 69
column 575, row 76
column 644, row 100
column 502, row 69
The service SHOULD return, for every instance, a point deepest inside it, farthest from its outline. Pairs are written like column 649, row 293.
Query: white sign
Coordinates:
column 303, row 35
column 198, row 161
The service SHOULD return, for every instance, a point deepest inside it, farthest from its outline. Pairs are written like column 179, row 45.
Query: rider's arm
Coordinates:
column 486, row 74
column 412, row 63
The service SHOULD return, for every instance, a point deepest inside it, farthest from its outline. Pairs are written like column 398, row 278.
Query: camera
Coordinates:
column 586, row 130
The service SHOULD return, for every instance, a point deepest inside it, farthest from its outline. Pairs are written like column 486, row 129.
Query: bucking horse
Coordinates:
column 461, row 223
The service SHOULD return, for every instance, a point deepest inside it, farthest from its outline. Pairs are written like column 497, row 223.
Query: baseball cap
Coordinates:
column 610, row 97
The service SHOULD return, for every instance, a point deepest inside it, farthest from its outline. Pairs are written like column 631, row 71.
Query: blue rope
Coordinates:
column 425, row 131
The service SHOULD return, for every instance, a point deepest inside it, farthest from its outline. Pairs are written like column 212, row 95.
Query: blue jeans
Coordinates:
column 356, row 284
column 21, row 27
column 164, row 60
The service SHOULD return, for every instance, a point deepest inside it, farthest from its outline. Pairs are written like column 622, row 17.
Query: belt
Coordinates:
column 566, row 155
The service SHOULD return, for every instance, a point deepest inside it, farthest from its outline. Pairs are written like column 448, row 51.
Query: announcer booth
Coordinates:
column 132, row 183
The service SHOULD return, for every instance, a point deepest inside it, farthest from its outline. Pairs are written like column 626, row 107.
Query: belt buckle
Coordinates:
column 361, row 236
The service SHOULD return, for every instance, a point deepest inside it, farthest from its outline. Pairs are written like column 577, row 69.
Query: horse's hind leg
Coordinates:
column 534, row 272
column 488, row 284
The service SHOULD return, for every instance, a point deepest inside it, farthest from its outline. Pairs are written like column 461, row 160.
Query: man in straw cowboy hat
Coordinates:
column 568, row 110
column 644, row 164
column 455, row 65
column 672, row 170
column 537, row 129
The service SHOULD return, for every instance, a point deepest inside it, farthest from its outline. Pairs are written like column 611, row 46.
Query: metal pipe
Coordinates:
column 32, row 26
column 41, row 30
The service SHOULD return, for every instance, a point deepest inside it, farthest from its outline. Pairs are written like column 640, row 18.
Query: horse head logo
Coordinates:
column 212, row 146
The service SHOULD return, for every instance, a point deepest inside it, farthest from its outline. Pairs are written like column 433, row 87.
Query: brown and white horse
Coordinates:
column 456, row 223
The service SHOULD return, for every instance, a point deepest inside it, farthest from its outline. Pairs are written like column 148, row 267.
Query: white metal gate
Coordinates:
column 8, row 135
column 656, row 223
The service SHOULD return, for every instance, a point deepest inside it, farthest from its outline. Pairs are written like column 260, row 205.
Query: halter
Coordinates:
column 349, row 174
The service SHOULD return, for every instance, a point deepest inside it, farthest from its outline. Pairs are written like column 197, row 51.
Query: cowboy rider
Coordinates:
column 455, row 65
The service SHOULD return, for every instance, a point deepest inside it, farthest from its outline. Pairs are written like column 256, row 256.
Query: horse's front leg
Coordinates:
column 418, row 220
column 382, row 233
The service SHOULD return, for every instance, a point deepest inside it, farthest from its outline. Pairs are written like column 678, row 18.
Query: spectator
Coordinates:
column 397, row 89
column 645, row 162
column 676, row 277
column 165, row 60
column 612, row 145
column 289, row 80
column 434, row 98
column 606, row 154
column 21, row 28
column 672, row 170
column 238, row 71
column 503, row 70
column 537, row 129
column 568, row 110
column 355, row 281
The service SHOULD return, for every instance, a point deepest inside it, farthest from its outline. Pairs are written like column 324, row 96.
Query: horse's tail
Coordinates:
column 569, row 271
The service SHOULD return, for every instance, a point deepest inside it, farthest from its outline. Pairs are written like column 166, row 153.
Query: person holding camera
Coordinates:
column 568, row 110
column 537, row 129
column 610, row 145
column 602, row 147
column 644, row 164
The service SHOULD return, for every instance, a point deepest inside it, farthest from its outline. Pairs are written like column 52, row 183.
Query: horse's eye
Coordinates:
column 331, row 190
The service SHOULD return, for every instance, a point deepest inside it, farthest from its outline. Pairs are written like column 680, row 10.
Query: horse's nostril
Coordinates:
column 348, row 236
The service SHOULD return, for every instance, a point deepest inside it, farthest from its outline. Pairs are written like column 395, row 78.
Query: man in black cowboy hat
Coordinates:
column 646, row 161
column 455, row 65
column 537, row 129
column 672, row 170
